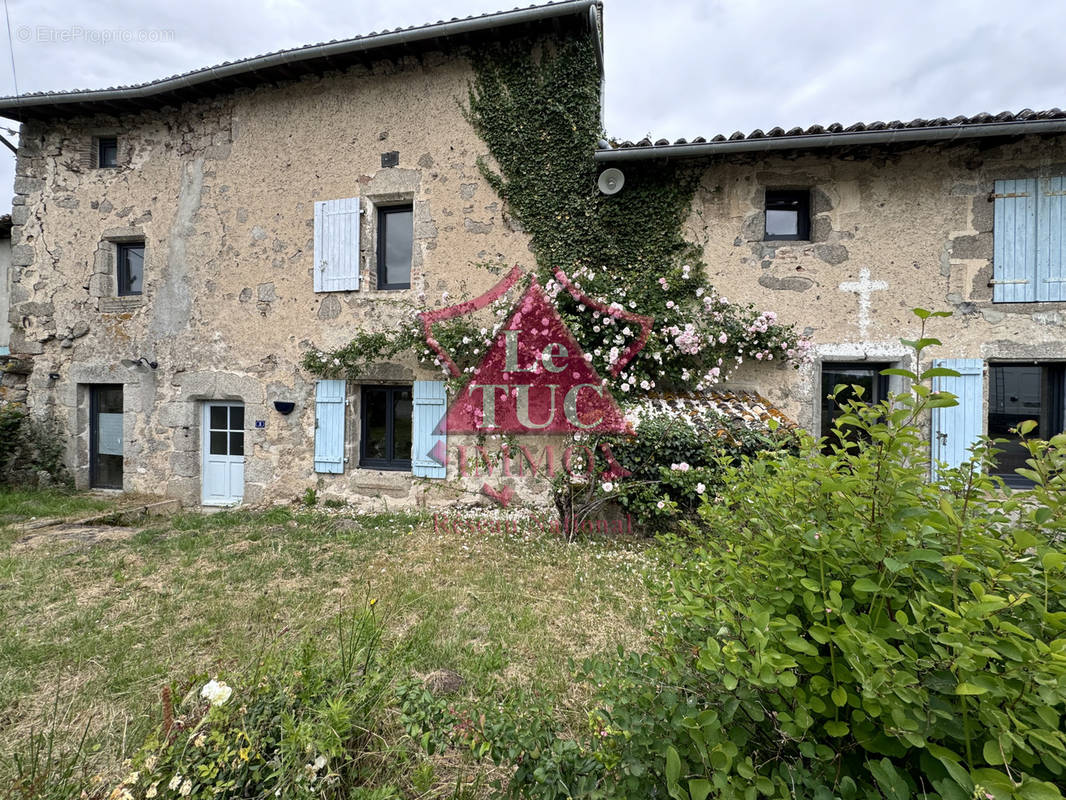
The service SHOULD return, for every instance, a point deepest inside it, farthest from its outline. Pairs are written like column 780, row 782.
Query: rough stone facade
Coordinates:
column 908, row 228
column 222, row 195
column 222, row 192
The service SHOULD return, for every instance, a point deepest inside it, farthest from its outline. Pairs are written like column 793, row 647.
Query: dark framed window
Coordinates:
column 107, row 151
column 130, row 260
column 395, row 242
column 1019, row 392
column 788, row 214
column 385, row 430
column 867, row 376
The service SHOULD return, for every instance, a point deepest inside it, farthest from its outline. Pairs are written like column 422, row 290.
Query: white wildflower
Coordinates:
column 216, row 692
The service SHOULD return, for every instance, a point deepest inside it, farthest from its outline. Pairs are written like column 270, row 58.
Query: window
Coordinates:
column 867, row 376
column 395, row 239
column 788, row 214
column 1018, row 392
column 385, row 442
column 107, row 151
column 1029, row 249
column 129, row 259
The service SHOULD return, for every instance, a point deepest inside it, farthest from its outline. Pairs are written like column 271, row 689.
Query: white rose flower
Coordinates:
column 215, row 692
column 700, row 488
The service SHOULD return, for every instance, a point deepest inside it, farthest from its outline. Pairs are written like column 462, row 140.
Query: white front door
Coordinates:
column 223, row 454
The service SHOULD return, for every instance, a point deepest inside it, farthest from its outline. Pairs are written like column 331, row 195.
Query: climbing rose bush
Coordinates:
column 698, row 338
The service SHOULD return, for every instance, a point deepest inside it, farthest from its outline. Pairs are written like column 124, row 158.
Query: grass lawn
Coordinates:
column 92, row 628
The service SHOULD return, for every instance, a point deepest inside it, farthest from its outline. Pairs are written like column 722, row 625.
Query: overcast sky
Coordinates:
column 679, row 68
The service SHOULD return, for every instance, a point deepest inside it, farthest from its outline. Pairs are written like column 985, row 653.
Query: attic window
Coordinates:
column 788, row 214
column 107, row 151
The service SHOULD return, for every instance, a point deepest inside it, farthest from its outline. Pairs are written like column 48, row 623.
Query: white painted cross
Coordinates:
column 863, row 287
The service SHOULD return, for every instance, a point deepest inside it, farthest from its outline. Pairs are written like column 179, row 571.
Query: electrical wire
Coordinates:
column 11, row 50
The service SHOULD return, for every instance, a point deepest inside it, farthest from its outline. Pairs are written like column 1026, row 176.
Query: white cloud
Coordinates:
column 687, row 68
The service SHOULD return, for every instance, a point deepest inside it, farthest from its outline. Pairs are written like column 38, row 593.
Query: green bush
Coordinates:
column 306, row 724
column 675, row 461
column 836, row 626
column 847, row 629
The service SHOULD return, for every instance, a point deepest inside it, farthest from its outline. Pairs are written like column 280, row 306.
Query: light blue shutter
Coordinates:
column 1051, row 244
column 1014, row 236
column 430, row 403
column 329, row 426
column 956, row 429
column 337, row 245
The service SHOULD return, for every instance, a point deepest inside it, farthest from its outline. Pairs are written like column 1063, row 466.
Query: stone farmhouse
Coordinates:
column 177, row 246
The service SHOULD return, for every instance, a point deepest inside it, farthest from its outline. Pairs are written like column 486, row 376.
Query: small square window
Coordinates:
column 107, row 151
column 386, row 428
column 788, row 214
column 395, row 242
column 868, row 377
column 130, row 267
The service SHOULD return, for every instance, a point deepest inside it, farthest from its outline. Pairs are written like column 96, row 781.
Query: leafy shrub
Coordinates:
column 674, row 459
column 838, row 626
column 848, row 629
column 302, row 725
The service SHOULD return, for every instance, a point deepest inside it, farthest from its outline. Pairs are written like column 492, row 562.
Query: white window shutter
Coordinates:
column 329, row 426
column 337, row 245
column 956, row 429
column 429, row 457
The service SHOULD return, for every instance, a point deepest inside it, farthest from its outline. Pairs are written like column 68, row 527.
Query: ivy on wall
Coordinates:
column 537, row 108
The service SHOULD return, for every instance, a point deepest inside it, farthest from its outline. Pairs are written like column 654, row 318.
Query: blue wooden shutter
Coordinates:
column 1015, row 241
column 1051, row 244
column 956, row 429
column 337, row 245
column 430, row 403
column 329, row 426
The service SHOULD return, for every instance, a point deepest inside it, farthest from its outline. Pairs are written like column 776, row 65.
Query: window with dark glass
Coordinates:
column 107, row 151
column 385, row 441
column 225, row 434
column 395, row 241
column 130, row 259
column 788, row 214
column 1020, row 392
column 867, row 377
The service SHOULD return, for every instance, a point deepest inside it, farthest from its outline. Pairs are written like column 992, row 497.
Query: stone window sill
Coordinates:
column 118, row 305
column 1021, row 308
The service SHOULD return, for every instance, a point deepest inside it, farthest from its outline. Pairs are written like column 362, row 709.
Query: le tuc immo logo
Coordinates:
column 535, row 379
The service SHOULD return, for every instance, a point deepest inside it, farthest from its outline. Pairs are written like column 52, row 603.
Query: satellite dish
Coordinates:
column 611, row 181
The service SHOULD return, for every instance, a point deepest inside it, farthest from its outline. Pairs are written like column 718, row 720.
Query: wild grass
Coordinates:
column 105, row 626
column 20, row 505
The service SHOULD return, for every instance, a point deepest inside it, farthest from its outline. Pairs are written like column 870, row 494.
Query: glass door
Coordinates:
column 105, row 436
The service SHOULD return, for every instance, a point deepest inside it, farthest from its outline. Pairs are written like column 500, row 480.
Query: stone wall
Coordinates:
column 905, row 229
column 222, row 193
